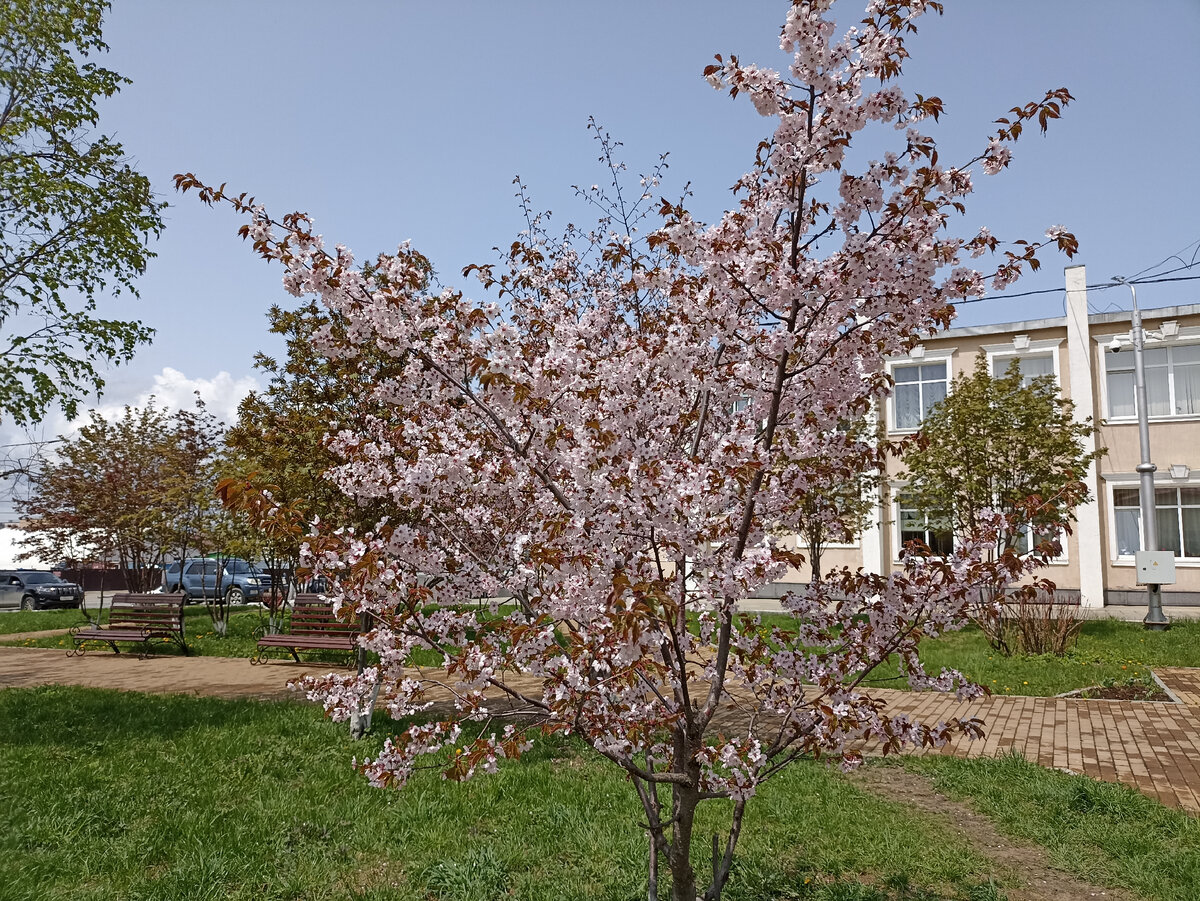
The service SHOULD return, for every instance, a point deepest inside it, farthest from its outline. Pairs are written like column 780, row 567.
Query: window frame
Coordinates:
column 1061, row 560
column 1186, row 337
column 1116, row 558
column 919, row 357
column 898, row 495
column 1003, row 354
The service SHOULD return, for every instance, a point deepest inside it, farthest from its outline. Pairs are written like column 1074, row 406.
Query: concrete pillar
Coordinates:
column 871, row 538
column 1082, row 388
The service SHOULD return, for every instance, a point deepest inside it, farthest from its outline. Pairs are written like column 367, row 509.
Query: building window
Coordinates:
column 1023, row 545
column 1172, row 381
column 1178, row 515
column 929, row 529
column 918, row 387
column 1032, row 366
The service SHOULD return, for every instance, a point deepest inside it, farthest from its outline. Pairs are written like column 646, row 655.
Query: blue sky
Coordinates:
column 395, row 120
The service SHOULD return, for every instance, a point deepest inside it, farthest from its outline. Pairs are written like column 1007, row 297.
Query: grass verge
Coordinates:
column 1108, row 651
column 202, row 639
column 37, row 620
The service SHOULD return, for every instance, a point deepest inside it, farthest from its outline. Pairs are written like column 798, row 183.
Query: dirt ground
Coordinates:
column 222, row 677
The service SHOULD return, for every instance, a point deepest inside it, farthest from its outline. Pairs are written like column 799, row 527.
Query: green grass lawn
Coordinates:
column 245, row 627
column 202, row 639
column 111, row 795
column 37, row 620
column 1108, row 650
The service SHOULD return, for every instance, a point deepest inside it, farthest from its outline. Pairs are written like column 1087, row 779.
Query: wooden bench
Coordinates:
column 313, row 628
column 138, row 618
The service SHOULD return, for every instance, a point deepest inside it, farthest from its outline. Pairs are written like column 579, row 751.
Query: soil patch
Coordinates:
column 1037, row 879
column 1127, row 693
column 1120, row 693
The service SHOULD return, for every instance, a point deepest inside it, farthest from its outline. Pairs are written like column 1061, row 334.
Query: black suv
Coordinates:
column 31, row 589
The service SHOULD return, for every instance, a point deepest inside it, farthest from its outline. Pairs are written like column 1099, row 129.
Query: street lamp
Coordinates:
column 1155, row 618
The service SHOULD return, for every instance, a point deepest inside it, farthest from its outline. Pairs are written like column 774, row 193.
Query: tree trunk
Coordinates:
column 683, row 877
column 652, row 870
column 360, row 720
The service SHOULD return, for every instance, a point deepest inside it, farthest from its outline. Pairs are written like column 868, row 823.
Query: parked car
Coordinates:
column 31, row 589
column 315, row 585
column 239, row 581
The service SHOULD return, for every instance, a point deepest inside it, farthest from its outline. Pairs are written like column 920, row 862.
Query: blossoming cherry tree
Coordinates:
column 622, row 439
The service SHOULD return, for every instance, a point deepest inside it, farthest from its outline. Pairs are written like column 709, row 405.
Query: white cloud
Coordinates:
column 172, row 390
column 175, row 391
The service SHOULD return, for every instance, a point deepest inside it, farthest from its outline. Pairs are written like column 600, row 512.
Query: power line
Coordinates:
column 1155, row 281
column 959, row 303
column 31, row 443
column 1177, row 255
column 1168, row 272
column 1101, row 286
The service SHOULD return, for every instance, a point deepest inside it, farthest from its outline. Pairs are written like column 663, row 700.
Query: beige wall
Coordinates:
column 965, row 346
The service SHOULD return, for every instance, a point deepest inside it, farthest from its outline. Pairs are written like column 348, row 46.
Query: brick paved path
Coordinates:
column 1154, row 747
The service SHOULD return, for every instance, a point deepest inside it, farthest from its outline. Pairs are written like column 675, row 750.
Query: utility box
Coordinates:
column 1155, row 567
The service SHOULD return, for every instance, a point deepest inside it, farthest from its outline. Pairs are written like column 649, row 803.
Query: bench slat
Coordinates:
column 313, row 626
column 291, row 641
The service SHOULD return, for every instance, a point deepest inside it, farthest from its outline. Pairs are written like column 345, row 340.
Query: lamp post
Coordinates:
column 1155, row 618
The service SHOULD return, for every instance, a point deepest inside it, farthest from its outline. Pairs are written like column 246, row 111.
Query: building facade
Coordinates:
column 1090, row 356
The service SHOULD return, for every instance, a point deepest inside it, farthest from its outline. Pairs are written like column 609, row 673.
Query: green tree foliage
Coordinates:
column 75, row 218
column 190, row 496
column 123, row 490
column 280, row 436
column 280, row 432
column 1008, row 444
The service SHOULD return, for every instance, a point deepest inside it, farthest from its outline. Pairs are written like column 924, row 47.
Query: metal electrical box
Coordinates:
column 1155, row 567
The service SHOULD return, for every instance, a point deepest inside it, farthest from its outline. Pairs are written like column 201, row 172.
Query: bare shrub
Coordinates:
column 1043, row 622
